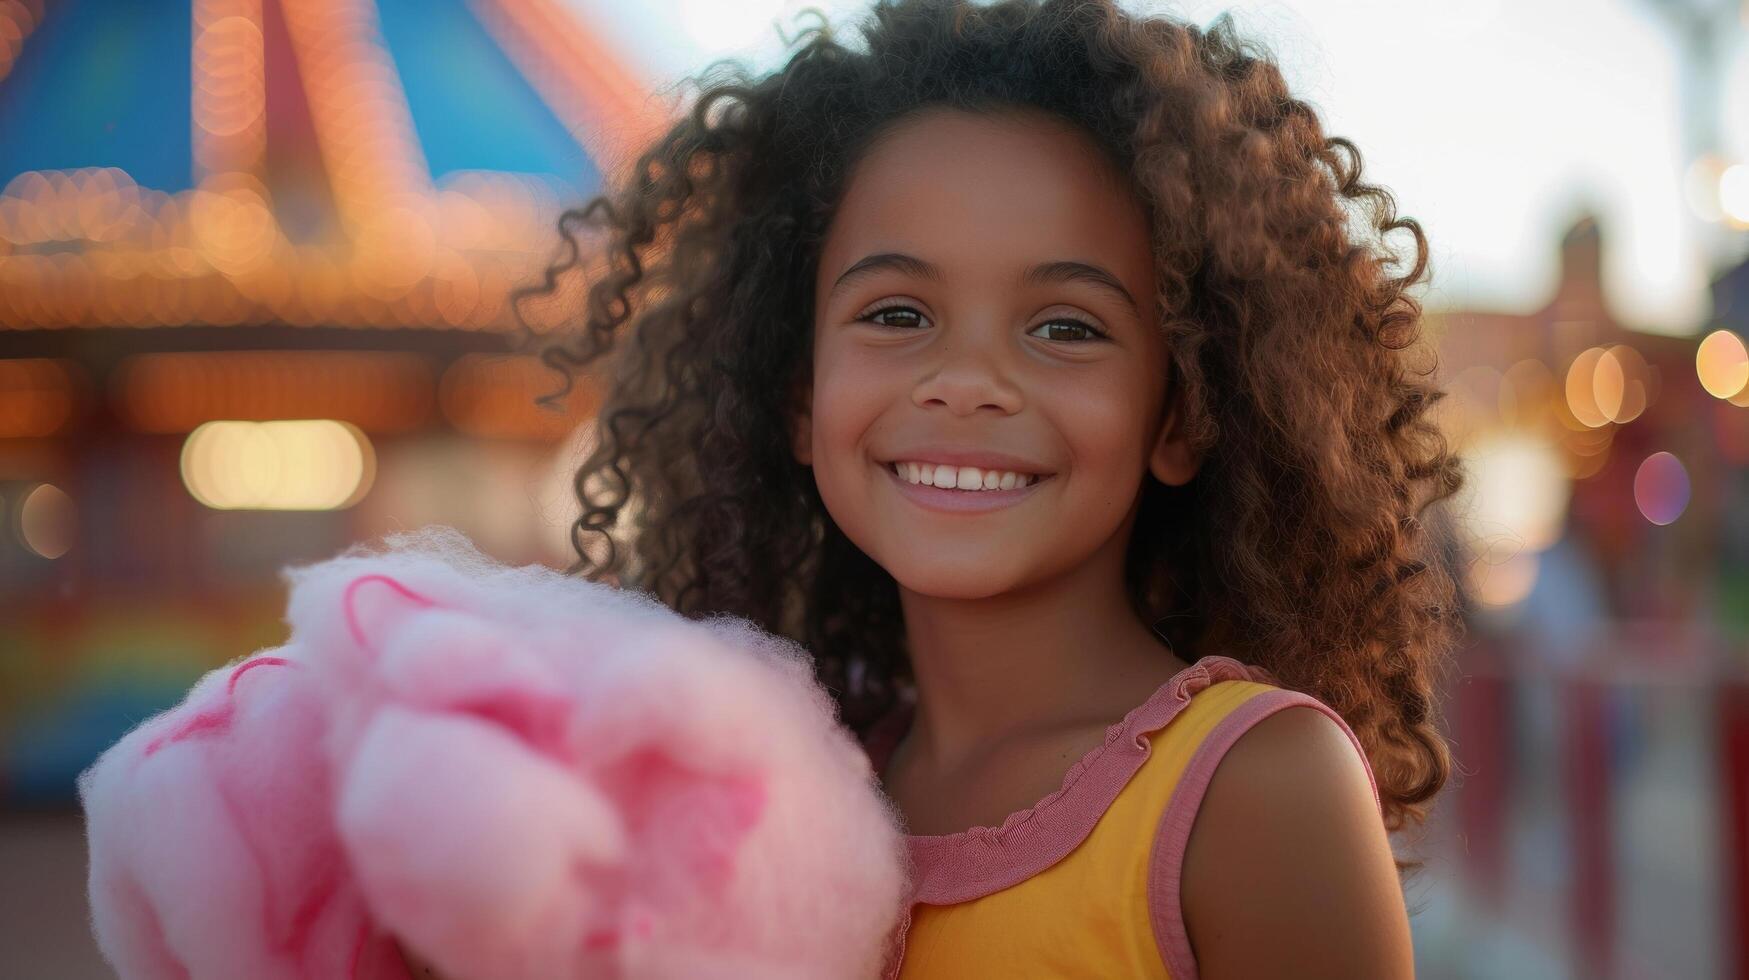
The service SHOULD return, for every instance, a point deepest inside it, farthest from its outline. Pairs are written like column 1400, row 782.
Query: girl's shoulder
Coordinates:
column 1275, row 818
column 1226, row 716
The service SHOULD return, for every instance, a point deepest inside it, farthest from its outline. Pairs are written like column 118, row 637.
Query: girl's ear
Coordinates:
column 1172, row 461
column 801, row 416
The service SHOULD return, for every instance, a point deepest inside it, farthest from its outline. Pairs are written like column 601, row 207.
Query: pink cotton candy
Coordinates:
column 515, row 773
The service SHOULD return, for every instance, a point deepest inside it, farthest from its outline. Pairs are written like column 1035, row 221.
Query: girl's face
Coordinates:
column 985, row 298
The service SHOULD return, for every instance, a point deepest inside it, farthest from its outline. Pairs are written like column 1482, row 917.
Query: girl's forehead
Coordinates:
column 973, row 187
column 954, row 152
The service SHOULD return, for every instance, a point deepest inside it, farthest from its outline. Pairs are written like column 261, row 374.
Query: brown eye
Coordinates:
column 901, row 311
column 1067, row 329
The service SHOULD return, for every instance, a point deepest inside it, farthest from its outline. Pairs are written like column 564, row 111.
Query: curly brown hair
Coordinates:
column 1299, row 546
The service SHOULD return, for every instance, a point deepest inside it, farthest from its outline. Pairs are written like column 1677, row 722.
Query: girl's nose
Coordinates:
column 968, row 376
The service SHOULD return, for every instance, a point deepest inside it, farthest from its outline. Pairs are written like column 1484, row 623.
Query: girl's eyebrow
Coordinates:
column 1044, row 272
column 1093, row 275
column 910, row 265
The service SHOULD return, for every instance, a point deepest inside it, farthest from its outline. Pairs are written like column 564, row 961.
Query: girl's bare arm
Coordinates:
column 1288, row 870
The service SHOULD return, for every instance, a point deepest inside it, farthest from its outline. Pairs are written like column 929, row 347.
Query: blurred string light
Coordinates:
column 46, row 521
column 216, row 255
column 294, row 464
column 89, row 247
column 1722, row 363
column 1661, row 488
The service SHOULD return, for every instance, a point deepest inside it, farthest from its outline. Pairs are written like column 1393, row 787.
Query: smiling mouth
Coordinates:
column 966, row 479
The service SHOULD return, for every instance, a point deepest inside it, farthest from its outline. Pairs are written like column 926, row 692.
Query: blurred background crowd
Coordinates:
column 256, row 261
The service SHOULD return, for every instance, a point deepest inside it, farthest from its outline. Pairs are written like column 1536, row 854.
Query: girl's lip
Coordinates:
column 960, row 501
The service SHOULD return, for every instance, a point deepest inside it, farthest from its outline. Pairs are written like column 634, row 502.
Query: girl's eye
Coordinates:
column 1062, row 328
column 1068, row 325
column 903, row 311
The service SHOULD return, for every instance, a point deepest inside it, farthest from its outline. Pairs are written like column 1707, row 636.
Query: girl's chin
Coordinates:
column 951, row 582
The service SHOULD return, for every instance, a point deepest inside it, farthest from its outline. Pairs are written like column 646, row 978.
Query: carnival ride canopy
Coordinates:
column 296, row 162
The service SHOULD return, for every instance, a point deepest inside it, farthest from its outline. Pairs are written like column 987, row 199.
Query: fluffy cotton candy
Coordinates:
column 516, row 773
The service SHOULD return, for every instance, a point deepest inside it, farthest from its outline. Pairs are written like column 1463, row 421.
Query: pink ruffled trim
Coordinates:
column 953, row 868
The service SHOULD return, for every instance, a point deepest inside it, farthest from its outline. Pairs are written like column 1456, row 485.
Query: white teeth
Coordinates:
column 961, row 477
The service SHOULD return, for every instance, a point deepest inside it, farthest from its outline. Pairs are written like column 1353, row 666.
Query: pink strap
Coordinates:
column 1167, row 860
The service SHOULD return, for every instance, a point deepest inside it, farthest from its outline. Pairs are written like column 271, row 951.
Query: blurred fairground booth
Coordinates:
column 1597, row 709
column 257, row 260
column 256, row 266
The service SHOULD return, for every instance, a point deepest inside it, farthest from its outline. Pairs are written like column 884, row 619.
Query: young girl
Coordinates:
column 1041, row 367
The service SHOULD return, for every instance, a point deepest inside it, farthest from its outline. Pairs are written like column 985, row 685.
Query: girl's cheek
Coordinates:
column 849, row 399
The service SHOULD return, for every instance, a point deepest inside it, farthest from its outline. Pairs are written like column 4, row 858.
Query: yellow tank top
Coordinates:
column 1085, row 883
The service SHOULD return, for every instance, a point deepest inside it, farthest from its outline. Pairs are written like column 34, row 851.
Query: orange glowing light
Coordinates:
column 1619, row 384
column 1722, row 364
column 1582, row 388
column 297, row 464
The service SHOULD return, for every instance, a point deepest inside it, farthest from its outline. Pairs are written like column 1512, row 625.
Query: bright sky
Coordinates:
column 1495, row 124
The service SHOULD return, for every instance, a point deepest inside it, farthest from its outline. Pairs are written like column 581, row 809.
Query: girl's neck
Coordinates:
column 1069, row 653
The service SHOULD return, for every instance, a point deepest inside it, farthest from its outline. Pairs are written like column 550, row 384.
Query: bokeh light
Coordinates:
column 296, row 464
column 1722, row 364
column 1517, row 484
column 46, row 521
column 1582, row 388
column 1734, row 194
column 1619, row 384
column 1527, row 394
column 1608, row 384
column 1661, row 488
